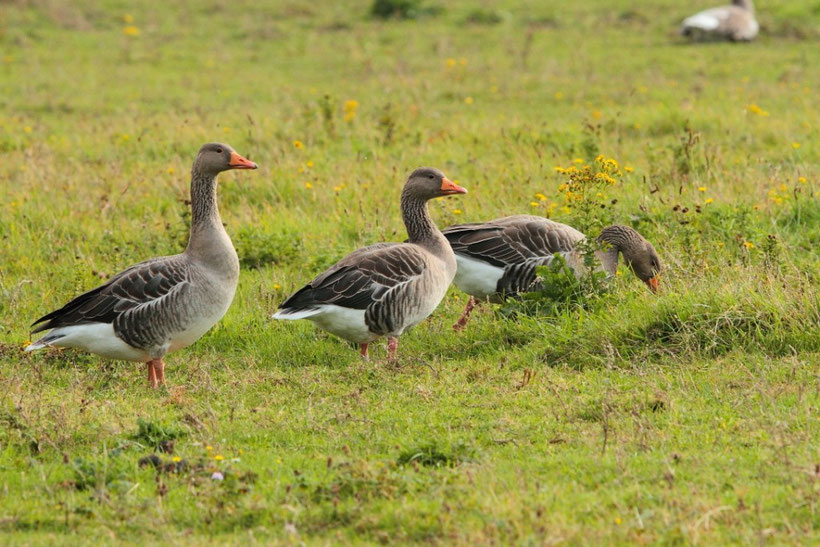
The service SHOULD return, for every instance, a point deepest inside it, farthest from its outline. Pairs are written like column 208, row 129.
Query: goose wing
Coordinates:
column 128, row 295
column 361, row 278
column 511, row 240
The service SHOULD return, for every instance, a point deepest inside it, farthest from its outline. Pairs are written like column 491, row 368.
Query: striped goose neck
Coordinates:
column 206, row 224
column 617, row 239
column 421, row 229
column 204, row 209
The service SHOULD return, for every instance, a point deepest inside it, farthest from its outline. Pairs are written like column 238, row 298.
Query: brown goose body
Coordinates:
column 162, row 304
column 498, row 258
column 387, row 288
column 735, row 22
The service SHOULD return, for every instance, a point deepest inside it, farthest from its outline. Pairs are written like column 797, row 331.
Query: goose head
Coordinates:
column 639, row 255
column 215, row 157
column 427, row 183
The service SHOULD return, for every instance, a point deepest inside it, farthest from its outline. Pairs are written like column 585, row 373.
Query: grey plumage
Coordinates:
column 386, row 288
column 499, row 258
column 735, row 22
column 165, row 303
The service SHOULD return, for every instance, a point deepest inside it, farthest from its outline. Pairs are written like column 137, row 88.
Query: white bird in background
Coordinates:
column 735, row 22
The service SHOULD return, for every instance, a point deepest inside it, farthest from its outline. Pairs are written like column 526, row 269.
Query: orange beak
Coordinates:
column 653, row 283
column 238, row 162
column 449, row 187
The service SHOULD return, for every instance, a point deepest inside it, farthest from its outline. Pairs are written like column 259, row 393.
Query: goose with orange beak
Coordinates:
column 498, row 258
column 163, row 304
column 387, row 288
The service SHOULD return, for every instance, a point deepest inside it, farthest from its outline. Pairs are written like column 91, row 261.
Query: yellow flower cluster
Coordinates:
column 585, row 184
column 754, row 109
column 349, row 109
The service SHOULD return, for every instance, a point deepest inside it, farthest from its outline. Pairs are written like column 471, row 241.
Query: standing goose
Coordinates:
column 162, row 304
column 386, row 288
column 734, row 22
column 499, row 258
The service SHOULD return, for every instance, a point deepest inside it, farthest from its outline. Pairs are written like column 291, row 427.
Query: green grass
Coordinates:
column 684, row 417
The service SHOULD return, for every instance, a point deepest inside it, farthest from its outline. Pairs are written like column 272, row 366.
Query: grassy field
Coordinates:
column 690, row 416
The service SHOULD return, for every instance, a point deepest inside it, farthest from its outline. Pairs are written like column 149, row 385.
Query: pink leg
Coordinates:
column 465, row 316
column 152, row 374
column 364, row 351
column 159, row 367
column 392, row 348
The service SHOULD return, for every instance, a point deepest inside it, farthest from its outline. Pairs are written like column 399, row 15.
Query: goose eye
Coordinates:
column 218, row 150
column 431, row 177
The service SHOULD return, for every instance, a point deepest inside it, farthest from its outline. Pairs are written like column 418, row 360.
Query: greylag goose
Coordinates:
column 386, row 288
column 499, row 258
column 734, row 22
column 162, row 304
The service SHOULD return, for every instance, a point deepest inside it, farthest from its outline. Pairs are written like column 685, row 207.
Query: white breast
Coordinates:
column 96, row 338
column 477, row 278
column 345, row 323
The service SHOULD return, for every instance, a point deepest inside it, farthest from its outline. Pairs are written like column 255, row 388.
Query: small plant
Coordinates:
column 430, row 455
column 401, row 9
column 584, row 191
column 557, row 287
column 328, row 108
column 157, row 436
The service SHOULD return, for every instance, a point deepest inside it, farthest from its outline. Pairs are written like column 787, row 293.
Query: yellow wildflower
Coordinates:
column 456, row 211
column 209, row 448
column 748, row 244
column 308, row 185
column 468, row 100
column 559, row 95
column 578, row 160
column 349, row 109
column 628, row 168
column 533, row 204
column 176, row 459
column 783, row 187
column 559, row 169
column 795, row 145
column 801, row 180
column 338, row 188
column 566, row 209
column 709, row 200
column 462, row 61
column 298, row 144
column 563, row 187
column 131, row 30
column 171, row 170
column 276, row 286
column 617, row 520
column 226, row 130
column 754, row 109
column 599, row 158
column 701, row 188
column 541, row 196
column 219, row 457
column 597, row 114
column 27, row 129
column 450, row 63
column 309, row 163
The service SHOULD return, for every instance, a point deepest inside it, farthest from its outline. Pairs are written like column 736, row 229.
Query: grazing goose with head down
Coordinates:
column 386, row 288
column 735, row 22
column 162, row 304
column 499, row 258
